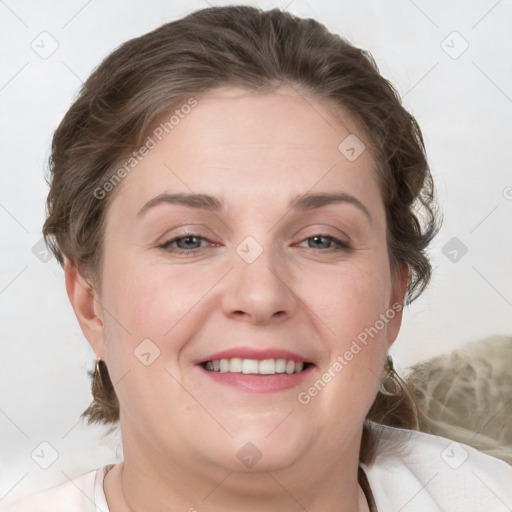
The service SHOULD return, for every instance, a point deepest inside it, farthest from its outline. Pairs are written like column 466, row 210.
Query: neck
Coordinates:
column 153, row 482
column 126, row 500
column 136, row 486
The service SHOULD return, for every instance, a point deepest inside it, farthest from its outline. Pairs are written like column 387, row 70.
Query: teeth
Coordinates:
column 280, row 365
column 290, row 366
column 235, row 365
column 253, row 366
column 249, row 366
column 267, row 367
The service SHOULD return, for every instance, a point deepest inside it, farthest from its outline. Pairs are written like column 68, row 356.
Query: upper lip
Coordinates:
column 253, row 353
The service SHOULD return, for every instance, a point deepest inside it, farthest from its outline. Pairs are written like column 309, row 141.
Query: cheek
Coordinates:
column 155, row 310
column 148, row 299
column 350, row 302
column 349, row 297
column 144, row 333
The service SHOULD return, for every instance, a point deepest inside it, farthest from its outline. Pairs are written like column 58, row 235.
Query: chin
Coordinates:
column 269, row 449
column 259, row 457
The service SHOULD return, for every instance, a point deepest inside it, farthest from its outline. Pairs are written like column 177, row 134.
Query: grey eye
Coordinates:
column 189, row 242
column 325, row 243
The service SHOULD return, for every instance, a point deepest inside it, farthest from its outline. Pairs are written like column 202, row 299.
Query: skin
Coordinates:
column 181, row 431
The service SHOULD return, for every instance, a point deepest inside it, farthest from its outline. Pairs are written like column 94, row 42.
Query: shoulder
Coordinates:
column 415, row 471
column 77, row 495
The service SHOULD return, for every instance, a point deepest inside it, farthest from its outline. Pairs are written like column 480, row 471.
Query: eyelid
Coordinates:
column 183, row 231
column 165, row 244
column 319, row 230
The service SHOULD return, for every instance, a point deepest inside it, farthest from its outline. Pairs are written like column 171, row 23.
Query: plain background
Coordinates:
column 451, row 63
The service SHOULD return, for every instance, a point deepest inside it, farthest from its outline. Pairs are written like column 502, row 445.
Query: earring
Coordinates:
column 389, row 369
column 97, row 370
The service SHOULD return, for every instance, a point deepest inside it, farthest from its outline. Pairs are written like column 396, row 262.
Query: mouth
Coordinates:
column 256, row 366
column 257, row 369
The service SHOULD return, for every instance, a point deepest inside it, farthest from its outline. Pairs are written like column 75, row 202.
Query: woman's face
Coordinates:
column 256, row 273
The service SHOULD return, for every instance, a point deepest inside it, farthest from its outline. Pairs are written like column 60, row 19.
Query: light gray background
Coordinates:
column 462, row 101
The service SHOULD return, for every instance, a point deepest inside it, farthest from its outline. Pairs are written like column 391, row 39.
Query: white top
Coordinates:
column 420, row 473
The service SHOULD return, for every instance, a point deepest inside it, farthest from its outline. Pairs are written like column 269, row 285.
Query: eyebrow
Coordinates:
column 312, row 201
column 308, row 201
column 199, row 201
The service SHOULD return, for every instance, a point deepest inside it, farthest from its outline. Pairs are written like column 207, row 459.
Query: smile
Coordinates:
column 254, row 366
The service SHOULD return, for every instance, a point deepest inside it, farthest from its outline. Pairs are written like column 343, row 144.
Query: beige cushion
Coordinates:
column 466, row 395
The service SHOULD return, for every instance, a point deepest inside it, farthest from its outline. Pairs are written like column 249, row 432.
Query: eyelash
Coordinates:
column 342, row 246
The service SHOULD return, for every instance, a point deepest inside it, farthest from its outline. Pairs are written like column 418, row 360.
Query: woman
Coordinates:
column 236, row 201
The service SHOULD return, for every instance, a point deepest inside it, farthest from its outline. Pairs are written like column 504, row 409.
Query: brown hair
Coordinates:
column 146, row 77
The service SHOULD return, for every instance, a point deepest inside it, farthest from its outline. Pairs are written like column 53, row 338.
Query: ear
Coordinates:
column 396, row 302
column 87, row 307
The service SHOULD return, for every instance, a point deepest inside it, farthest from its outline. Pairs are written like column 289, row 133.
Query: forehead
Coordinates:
column 231, row 118
column 247, row 145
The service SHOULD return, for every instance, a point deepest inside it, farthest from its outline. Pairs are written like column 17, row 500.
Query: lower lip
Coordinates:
column 253, row 383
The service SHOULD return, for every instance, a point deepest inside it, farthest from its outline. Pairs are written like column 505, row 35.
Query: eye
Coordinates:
column 191, row 243
column 325, row 243
column 188, row 243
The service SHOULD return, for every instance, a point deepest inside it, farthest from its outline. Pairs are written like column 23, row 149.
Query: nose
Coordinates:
column 259, row 292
